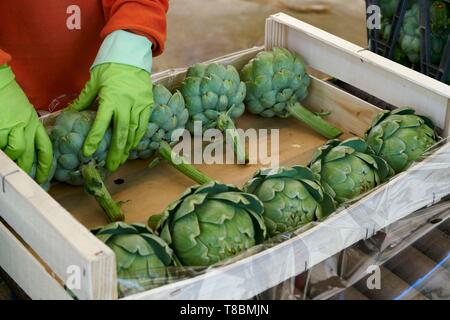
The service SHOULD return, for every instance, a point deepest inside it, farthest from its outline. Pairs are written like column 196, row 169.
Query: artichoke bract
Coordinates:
column 141, row 257
column 68, row 135
column 169, row 114
column 291, row 197
column 276, row 82
column 401, row 137
column 212, row 222
column 214, row 96
column 348, row 168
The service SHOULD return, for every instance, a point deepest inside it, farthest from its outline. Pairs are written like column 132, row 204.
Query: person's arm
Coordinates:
column 135, row 30
column 22, row 136
column 4, row 57
column 143, row 17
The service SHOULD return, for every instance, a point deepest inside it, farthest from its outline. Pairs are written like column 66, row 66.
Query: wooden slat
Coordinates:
column 26, row 270
column 391, row 287
column 361, row 68
column 54, row 234
column 356, row 265
column 412, row 266
column 346, row 111
column 435, row 245
column 445, row 227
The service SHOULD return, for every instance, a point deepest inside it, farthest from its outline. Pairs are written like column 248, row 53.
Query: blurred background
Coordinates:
column 199, row 30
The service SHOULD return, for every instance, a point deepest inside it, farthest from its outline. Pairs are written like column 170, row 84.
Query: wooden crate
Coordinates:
column 44, row 235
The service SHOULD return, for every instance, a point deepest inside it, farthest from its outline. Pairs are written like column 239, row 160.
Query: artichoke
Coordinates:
column 169, row 114
column 68, row 135
column 276, row 81
column 142, row 258
column 410, row 37
column 214, row 96
column 72, row 167
column 212, row 222
column 398, row 55
column 348, row 168
column 292, row 197
column 388, row 8
column 400, row 137
column 410, row 34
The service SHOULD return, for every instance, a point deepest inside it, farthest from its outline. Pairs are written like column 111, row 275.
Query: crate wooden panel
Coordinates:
column 55, row 226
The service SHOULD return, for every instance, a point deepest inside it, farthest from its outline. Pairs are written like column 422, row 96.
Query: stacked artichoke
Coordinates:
column 401, row 137
column 410, row 37
column 142, row 258
column 276, row 82
column 169, row 114
column 398, row 55
column 214, row 96
column 212, row 222
column 291, row 197
column 349, row 168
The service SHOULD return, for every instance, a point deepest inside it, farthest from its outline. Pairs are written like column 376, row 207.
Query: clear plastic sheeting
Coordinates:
column 386, row 233
column 408, row 260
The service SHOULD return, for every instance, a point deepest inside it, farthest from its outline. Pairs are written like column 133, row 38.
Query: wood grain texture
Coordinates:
column 22, row 266
column 55, row 236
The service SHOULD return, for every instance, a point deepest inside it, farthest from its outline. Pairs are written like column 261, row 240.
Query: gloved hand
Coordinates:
column 22, row 135
column 120, row 77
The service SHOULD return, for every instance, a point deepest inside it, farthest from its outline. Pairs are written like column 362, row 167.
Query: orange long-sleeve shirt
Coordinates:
column 51, row 44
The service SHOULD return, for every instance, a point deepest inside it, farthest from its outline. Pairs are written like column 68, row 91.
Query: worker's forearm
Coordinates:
column 143, row 17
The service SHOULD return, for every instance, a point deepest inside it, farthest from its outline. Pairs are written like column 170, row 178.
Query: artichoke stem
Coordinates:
column 226, row 125
column 313, row 121
column 182, row 165
column 94, row 185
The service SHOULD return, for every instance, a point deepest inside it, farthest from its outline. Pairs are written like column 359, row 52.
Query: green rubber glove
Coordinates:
column 22, row 135
column 121, row 79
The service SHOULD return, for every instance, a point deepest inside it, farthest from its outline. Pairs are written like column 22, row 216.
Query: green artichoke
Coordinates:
column 410, row 34
column 72, row 167
column 214, row 96
column 142, row 258
column 398, row 56
column 212, row 222
column 276, row 81
column 68, row 135
column 169, row 114
column 292, row 197
column 388, row 8
column 348, row 168
column 410, row 37
column 400, row 137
